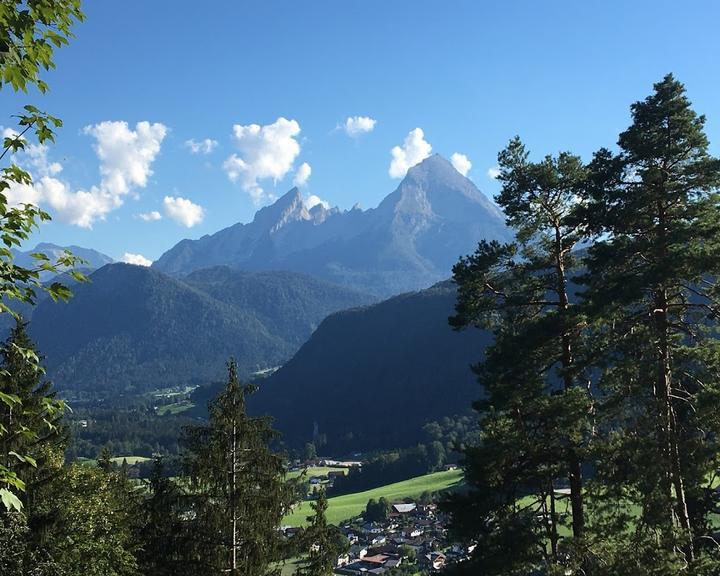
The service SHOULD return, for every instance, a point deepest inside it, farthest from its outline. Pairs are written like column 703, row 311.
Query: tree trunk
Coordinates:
column 574, row 465
column 664, row 388
column 671, row 441
column 233, row 511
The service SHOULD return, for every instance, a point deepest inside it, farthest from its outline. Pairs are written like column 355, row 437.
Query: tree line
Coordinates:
column 598, row 451
column 222, row 516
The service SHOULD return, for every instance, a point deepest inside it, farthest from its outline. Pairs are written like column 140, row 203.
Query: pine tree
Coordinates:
column 104, row 461
column 535, row 417
column 322, row 540
column 239, row 482
column 653, row 297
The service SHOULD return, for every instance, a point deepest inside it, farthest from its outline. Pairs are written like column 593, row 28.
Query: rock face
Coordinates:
column 409, row 242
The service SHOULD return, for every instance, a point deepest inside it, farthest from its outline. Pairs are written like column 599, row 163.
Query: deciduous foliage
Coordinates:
column 94, row 529
column 239, row 484
column 30, row 30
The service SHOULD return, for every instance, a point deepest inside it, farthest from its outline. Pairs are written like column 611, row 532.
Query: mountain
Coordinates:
column 289, row 304
column 370, row 378
column 93, row 259
column 134, row 329
column 410, row 241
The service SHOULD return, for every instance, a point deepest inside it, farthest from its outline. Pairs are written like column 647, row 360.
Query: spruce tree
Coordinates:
column 239, row 483
column 653, row 298
column 163, row 531
column 34, row 435
column 535, row 416
column 322, row 540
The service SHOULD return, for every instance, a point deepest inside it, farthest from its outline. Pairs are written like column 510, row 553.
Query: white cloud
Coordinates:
column 413, row 151
column 313, row 200
column 137, row 259
column 302, row 174
column 150, row 216
column 126, row 155
column 493, row 172
column 356, row 125
column 125, row 159
column 265, row 152
column 183, row 211
column 461, row 163
column 205, row 146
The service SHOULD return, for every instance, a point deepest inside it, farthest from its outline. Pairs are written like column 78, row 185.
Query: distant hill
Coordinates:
column 371, row 378
column 93, row 259
column 410, row 241
column 132, row 329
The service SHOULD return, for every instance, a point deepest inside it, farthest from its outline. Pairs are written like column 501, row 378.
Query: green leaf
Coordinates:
column 9, row 500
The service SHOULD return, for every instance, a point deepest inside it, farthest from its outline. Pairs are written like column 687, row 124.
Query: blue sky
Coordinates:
column 469, row 74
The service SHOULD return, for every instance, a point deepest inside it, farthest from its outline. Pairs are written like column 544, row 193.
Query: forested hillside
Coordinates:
column 371, row 378
column 132, row 329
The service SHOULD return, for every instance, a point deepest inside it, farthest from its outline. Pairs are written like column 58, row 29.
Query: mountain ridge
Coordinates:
column 132, row 329
column 370, row 378
column 408, row 242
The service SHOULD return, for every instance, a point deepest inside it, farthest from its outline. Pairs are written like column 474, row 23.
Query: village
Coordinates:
column 404, row 537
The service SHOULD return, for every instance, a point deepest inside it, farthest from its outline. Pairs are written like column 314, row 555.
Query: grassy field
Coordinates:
column 343, row 507
column 316, row 471
column 131, row 460
column 290, row 567
column 175, row 408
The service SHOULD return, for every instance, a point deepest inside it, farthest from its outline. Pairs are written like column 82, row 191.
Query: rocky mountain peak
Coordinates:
column 288, row 208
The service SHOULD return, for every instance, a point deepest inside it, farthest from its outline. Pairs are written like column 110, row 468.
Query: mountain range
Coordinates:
column 296, row 288
column 410, row 241
column 92, row 259
column 131, row 329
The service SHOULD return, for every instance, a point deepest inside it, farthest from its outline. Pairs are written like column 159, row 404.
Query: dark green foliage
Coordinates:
column 376, row 510
column 133, row 329
column 652, row 293
column 239, row 488
column 126, row 428
column 163, row 533
column 288, row 304
column 645, row 336
column 372, row 378
column 323, row 541
column 94, row 525
column 394, row 466
column 15, row 557
column 35, row 433
column 535, row 417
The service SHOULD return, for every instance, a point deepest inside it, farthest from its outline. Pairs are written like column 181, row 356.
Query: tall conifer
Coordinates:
column 239, row 482
column 535, row 417
column 653, row 297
